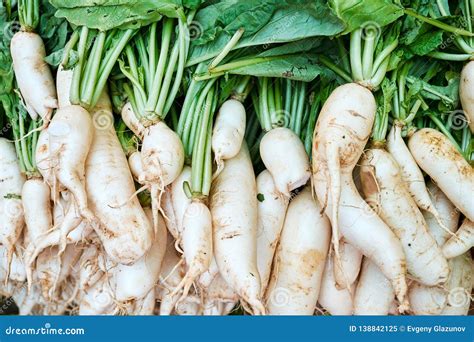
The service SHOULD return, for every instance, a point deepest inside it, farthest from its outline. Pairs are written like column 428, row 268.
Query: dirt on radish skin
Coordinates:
column 233, row 204
column 124, row 228
column 33, row 74
column 438, row 157
column 272, row 206
column 342, row 131
column 388, row 196
column 300, row 258
column 285, row 158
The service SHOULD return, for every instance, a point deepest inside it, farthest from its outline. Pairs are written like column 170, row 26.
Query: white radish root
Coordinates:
column 63, row 86
column 70, row 137
column 430, row 300
column 233, row 204
column 124, row 228
column 137, row 280
column 411, row 173
column 135, row 165
column 459, row 286
column 178, row 199
column 11, row 210
column 272, row 206
column 388, row 196
column 462, row 242
column 33, row 74
column 351, row 260
column 465, row 93
column 449, row 214
column 342, row 130
column 162, row 160
column 36, row 198
column 374, row 293
column 300, row 258
column 196, row 243
column 438, row 157
column 228, row 132
column 285, row 158
column 132, row 122
column 336, row 301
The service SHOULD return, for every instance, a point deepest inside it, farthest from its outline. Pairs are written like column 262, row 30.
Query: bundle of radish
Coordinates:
column 196, row 221
column 148, row 202
column 155, row 71
column 31, row 71
column 349, row 115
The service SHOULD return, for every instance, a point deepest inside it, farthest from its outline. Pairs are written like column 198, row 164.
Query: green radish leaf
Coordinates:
column 291, row 20
column 107, row 14
column 298, row 67
column 360, row 13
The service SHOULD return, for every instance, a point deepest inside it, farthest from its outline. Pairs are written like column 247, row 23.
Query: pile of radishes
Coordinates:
column 108, row 206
